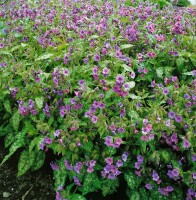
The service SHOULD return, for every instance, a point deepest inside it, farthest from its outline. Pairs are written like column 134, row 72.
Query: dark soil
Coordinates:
column 37, row 185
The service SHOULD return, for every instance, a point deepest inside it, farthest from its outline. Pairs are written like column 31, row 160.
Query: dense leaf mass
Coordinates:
column 109, row 86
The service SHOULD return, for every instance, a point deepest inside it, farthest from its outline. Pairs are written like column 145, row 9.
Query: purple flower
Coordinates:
column 163, row 192
column 119, row 163
column 76, row 181
column 111, row 176
column 191, row 191
column 94, row 119
column 48, row 140
column 124, row 156
column 174, row 138
column 132, row 75
column 54, row 166
column 107, row 169
column 165, row 91
column 77, row 169
column 119, row 79
column 103, row 173
column 1, row 45
column 167, row 122
column 175, row 172
column 140, row 159
column 105, row 71
column 155, row 176
column 178, row 118
column 90, row 169
column 23, row 110
column 46, row 110
column 31, row 104
column 171, row 115
column 57, row 133
column 97, row 57
column 60, row 187
column 137, row 165
column 148, row 186
column 58, row 196
column 62, row 111
column 169, row 189
column 68, row 165
column 121, row 130
column 118, row 142
column 126, row 86
column 42, row 144
column 186, row 96
column 186, row 143
column 109, row 160
column 193, row 157
column 108, row 141
column 169, row 173
column 140, row 70
column 194, row 175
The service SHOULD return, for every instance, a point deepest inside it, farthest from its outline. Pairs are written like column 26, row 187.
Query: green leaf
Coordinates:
column 60, row 175
column 165, row 155
column 94, row 36
column 15, row 120
column 45, row 56
column 110, row 150
column 108, row 94
column 180, row 63
column 25, row 162
column 133, row 96
column 91, row 183
column 132, row 180
column 18, row 35
column 188, row 73
column 39, row 160
column 7, row 106
column 16, row 145
column 109, row 186
column 154, row 194
column 39, row 101
column 134, row 195
column 77, row 197
column 87, row 146
column 9, row 139
column 126, row 46
column 50, row 121
column 35, row 143
column 127, row 68
column 159, row 72
column 132, row 84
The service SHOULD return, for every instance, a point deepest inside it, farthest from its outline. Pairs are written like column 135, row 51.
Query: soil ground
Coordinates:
column 37, row 185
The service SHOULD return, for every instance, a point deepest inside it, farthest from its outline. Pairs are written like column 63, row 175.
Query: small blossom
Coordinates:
column 155, row 176
column 57, row 133
column 109, row 160
column 178, row 118
column 124, row 156
column 148, row 186
column 94, row 119
column 120, row 79
column 140, row 159
column 119, row 163
column 186, row 143
column 90, row 169
column 171, row 115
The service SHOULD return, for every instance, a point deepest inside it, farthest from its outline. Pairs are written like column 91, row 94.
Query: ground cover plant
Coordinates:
column 109, row 87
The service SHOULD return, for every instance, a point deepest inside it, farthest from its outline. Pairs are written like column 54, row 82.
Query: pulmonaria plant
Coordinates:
column 109, row 87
